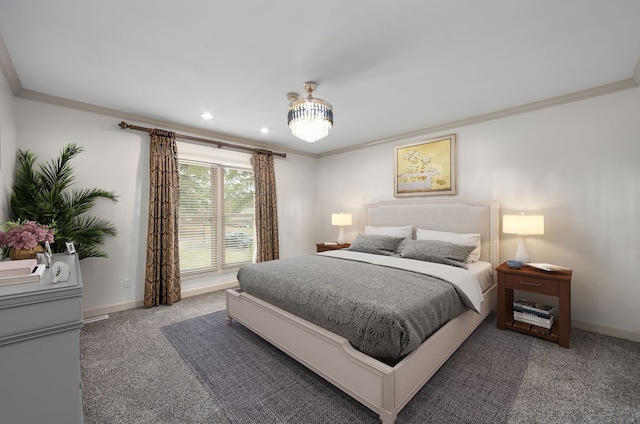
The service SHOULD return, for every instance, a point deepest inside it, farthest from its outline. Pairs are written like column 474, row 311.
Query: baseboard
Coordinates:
column 208, row 289
column 619, row 333
column 106, row 310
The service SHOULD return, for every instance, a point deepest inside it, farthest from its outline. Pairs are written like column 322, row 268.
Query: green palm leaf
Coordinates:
column 45, row 195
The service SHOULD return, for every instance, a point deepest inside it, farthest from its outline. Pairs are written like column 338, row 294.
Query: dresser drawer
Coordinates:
column 532, row 284
column 34, row 317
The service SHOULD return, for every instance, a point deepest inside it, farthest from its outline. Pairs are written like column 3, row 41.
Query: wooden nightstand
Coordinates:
column 321, row 247
column 552, row 283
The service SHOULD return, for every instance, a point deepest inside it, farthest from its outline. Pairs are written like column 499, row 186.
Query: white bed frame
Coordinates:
column 382, row 388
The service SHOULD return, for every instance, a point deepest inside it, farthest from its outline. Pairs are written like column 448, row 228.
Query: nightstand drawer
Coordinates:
column 532, row 284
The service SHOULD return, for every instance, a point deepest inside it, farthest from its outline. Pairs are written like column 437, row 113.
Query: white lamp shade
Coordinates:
column 340, row 219
column 523, row 224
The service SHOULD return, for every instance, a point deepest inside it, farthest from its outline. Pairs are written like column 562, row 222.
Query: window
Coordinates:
column 216, row 217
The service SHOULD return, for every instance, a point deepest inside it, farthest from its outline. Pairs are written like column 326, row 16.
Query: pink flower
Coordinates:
column 25, row 235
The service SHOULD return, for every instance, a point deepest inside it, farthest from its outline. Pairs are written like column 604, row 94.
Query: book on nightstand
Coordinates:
column 537, row 308
column 548, row 267
column 534, row 313
column 533, row 319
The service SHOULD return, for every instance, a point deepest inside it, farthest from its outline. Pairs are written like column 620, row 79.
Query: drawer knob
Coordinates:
column 526, row 283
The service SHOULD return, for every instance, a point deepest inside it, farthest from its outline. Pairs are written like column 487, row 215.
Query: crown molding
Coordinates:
column 8, row 70
column 542, row 104
column 140, row 119
column 10, row 74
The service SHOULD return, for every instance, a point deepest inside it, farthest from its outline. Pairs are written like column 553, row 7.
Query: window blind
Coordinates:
column 216, row 217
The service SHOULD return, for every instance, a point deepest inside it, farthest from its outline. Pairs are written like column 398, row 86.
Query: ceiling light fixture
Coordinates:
column 310, row 119
column 206, row 115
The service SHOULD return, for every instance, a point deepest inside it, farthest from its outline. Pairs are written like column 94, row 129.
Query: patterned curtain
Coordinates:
column 162, row 275
column 266, row 209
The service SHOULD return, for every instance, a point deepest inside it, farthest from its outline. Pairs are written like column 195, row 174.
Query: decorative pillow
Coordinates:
column 378, row 245
column 457, row 238
column 437, row 251
column 404, row 232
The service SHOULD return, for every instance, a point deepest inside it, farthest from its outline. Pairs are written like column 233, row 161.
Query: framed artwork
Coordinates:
column 425, row 168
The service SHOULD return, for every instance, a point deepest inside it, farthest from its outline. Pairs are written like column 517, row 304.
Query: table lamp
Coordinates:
column 523, row 225
column 340, row 220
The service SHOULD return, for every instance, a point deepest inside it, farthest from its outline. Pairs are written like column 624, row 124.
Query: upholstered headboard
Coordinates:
column 458, row 215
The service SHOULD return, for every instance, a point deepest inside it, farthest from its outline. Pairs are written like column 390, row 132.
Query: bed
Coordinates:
column 385, row 388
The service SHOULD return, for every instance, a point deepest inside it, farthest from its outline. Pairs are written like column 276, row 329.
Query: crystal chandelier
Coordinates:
column 310, row 119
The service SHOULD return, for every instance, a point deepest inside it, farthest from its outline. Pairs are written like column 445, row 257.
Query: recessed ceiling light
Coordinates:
column 206, row 115
column 264, row 130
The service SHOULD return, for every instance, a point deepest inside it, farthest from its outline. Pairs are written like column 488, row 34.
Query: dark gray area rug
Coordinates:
column 254, row 382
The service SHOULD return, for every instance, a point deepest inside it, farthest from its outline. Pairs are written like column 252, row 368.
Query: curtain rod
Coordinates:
column 220, row 144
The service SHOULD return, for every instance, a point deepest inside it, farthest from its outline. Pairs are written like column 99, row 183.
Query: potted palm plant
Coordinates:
column 44, row 194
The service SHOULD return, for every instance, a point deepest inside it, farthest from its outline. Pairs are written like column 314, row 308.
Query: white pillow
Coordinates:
column 457, row 238
column 406, row 232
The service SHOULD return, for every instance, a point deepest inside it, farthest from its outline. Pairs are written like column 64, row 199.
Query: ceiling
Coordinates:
column 388, row 68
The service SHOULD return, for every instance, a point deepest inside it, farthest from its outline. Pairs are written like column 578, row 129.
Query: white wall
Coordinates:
column 577, row 164
column 117, row 160
column 7, row 145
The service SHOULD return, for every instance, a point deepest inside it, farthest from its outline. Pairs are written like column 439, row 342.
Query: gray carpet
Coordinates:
column 132, row 374
column 253, row 382
column 597, row 380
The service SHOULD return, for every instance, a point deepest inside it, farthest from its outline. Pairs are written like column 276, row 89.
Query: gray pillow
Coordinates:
column 437, row 251
column 378, row 245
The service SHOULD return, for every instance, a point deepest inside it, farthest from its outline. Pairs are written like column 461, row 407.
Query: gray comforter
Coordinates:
column 384, row 312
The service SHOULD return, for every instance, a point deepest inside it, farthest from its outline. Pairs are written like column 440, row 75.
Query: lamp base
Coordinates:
column 341, row 236
column 522, row 253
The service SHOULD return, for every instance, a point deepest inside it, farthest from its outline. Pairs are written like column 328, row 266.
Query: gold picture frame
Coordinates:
column 425, row 168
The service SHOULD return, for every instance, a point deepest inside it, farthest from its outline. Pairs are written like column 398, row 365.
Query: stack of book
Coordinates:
column 21, row 271
column 533, row 313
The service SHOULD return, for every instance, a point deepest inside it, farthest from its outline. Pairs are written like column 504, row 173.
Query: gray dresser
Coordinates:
column 40, row 349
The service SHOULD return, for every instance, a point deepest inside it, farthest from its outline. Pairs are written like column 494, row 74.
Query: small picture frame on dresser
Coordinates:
column 71, row 249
